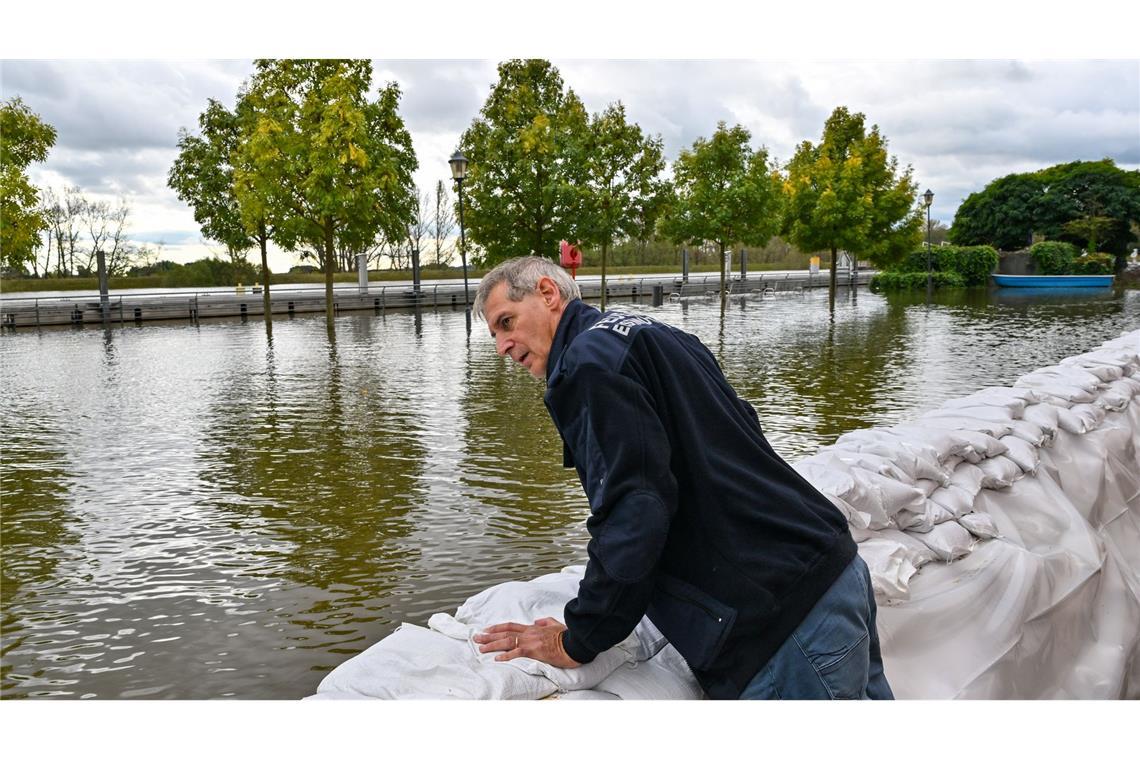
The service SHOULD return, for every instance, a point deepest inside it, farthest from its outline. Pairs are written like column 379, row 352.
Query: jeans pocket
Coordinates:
column 835, row 637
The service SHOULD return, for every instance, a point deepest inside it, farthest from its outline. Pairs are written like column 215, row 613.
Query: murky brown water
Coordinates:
column 214, row 511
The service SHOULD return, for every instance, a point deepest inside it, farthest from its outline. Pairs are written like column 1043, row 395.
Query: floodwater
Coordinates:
column 218, row 510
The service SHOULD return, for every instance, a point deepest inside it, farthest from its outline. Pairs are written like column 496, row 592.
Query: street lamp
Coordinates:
column 459, row 173
column 928, row 198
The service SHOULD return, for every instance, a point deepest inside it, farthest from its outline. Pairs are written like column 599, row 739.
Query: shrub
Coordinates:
column 1053, row 256
column 973, row 263
column 915, row 280
column 1093, row 263
column 207, row 272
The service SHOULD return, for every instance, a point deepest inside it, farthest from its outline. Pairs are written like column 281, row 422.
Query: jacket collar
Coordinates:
column 576, row 317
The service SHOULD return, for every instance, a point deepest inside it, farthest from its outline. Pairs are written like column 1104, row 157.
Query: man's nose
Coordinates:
column 502, row 345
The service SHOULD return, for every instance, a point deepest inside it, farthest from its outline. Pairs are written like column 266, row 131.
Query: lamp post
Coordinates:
column 928, row 198
column 459, row 173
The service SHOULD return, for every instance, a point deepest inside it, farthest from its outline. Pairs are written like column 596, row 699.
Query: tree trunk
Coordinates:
column 723, row 284
column 604, row 248
column 263, row 241
column 330, row 266
column 834, row 275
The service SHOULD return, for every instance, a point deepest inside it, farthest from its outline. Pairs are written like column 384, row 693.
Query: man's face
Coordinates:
column 524, row 330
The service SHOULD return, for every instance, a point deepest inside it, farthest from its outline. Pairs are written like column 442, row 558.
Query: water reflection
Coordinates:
column 231, row 509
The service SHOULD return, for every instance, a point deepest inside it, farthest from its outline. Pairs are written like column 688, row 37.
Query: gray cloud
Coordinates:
column 960, row 124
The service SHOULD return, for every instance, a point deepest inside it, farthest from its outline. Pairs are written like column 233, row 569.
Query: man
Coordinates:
column 694, row 520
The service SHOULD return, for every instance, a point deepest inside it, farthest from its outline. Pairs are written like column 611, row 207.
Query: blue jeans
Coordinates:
column 834, row 653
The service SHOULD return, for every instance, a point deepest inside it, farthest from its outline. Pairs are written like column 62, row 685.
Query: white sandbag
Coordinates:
column 664, row 676
column 1000, row 471
column 1044, row 415
column 1125, row 386
column 883, row 496
column 1055, row 391
column 1080, row 418
column 1070, row 375
column 889, row 566
column 873, row 462
column 1032, row 433
column 924, row 519
column 585, row 676
column 1023, row 454
column 854, row 518
column 1127, row 360
column 1106, row 373
column 1002, row 413
column 971, row 427
column 954, row 500
column 836, row 480
column 1014, row 405
column 891, row 447
column 546, row 596
column 859, row 535
column 948, row 541
column 927, row 486
column 1113, row 401
column 979, row 524
column 418, row 663
column 918, row 553
column 942, row 444
column 968, row 477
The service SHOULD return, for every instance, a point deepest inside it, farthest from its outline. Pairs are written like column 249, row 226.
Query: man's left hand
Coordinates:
column 541, row 641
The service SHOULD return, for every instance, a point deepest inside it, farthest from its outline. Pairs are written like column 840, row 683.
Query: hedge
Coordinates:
column 973, row 263
column 1053, row 256
column 915, row 280
column 1093, row 263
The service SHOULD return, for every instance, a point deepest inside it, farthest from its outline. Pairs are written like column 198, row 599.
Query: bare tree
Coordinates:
column 420, row 228
column 443, row 225
column 64, row 230
column 106, row 228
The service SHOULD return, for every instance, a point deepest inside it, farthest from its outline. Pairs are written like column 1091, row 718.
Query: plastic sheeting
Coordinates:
column 1017, row 575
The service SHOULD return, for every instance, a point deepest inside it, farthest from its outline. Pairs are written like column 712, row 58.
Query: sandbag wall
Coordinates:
column 1022, row 507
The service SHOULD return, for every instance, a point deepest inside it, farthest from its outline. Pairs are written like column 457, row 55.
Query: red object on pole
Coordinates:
column 571, row 257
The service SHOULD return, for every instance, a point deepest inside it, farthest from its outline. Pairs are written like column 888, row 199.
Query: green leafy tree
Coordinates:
column 519, row 195
column 848, row 193
column 325, row 166
column 620, row 192
column 1091, row 203
column 24, row 138
column 725, row 192
column 1004, row 214
column 203, row 176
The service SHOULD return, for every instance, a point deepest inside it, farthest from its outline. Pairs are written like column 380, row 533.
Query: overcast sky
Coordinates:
column 958, row 123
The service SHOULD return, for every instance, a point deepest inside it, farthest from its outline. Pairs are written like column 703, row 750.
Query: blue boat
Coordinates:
column 1053, row 280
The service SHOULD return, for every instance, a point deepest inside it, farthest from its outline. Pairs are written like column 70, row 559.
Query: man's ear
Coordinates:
column 548, row 291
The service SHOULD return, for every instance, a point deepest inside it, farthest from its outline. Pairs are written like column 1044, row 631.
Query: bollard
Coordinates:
column 290, row 308
column 138, row 314
column 658, row 295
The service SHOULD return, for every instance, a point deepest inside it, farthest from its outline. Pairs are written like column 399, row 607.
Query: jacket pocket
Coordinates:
column 694, row 622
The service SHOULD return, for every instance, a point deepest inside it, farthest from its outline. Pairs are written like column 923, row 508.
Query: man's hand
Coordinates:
column 541, row 641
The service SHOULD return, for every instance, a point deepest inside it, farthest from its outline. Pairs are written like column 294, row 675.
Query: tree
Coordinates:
column 847, row 193
column 519, row 193
column 726, row 193
column 1092, row 203
column 419, row 229
column 619, row 194
column 24, row 139
column 106, row 228
column 203, row 176
column 1004, row 214
column 443, row 225
column 323, row 164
